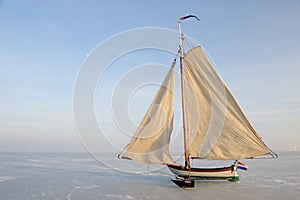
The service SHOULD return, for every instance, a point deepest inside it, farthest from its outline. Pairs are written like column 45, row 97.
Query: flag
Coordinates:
column 188, row 16
column 242, row 166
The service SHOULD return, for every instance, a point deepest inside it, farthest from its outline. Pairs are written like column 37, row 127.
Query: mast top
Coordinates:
column 180, row 33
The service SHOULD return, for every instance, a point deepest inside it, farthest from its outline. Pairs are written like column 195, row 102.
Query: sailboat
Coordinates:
column 214, row 125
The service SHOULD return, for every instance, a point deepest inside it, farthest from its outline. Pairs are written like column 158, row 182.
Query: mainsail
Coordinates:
column 150, row 143
column 217, row 126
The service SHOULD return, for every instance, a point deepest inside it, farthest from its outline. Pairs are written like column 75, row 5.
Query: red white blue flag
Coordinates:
column 242, row 166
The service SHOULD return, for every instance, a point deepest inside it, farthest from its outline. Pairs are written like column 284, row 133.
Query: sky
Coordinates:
column 254, row 44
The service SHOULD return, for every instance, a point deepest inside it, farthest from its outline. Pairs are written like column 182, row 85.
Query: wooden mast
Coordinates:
column 186, row 149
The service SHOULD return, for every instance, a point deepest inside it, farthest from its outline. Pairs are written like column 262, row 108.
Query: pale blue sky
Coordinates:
column 255, row 45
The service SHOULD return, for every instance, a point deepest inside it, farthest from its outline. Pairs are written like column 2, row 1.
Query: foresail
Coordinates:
column 150, row 143
column 217, row 126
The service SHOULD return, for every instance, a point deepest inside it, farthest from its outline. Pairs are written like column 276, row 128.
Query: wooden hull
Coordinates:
column 223, row 173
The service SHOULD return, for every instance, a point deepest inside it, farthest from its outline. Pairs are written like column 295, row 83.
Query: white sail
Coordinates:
column 217, row 126
column 150, row 143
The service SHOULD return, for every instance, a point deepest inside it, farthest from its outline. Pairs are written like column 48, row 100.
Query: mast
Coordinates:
column 186, row 150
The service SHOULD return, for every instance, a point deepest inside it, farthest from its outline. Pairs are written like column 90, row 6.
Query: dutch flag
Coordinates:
column 242, row 166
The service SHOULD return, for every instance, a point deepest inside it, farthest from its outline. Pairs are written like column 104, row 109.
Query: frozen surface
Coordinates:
column 79, row 176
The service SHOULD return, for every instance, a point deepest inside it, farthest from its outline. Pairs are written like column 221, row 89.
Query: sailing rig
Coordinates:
column 214, row 125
